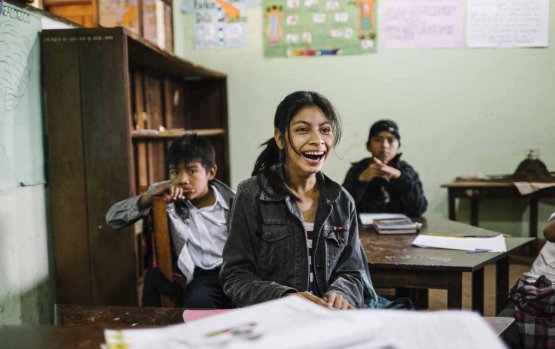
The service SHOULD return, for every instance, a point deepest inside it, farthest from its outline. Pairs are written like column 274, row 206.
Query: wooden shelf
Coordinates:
column 172, row 134
column 99, row 84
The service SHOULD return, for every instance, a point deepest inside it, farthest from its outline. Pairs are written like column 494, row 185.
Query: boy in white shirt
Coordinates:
column 198, row 210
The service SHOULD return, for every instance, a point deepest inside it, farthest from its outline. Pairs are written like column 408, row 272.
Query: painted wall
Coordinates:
column 460, row 110
column 26, row 285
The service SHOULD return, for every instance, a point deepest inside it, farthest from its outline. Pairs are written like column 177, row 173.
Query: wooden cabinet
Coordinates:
column 105, row 93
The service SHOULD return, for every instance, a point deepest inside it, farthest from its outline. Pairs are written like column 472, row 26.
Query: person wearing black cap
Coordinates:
column 384, row 182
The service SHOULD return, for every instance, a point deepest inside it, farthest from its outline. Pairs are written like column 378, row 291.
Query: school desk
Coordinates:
column 395, row 263
column 83, row 326
column 495, row 189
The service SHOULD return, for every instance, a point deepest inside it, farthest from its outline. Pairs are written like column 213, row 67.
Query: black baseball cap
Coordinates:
column 384, row 125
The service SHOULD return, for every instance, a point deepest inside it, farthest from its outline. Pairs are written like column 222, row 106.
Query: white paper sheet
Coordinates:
column 494, row 244
column 293, row 322
column 507, row 23
column 368, row 218
column 422, row 23
column 418, row 330
column 290, row 322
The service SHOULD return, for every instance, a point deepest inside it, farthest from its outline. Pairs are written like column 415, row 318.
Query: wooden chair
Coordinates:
column 162, row 246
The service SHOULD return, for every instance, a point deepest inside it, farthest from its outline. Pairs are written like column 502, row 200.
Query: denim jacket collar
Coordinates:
column 328, row 188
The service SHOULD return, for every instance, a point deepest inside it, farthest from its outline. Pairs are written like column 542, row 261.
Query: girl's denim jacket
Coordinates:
column 266, row 254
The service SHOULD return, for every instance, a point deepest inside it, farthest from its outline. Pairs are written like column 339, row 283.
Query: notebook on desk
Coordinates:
column 368, row 218
column 402, row 225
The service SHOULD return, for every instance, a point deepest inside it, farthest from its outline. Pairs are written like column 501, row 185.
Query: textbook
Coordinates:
column 396, row 226
column 368, row 218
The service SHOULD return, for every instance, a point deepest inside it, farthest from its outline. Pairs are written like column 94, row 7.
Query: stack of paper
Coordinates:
column 368, row 218
column 294, row 322
column 474, row 244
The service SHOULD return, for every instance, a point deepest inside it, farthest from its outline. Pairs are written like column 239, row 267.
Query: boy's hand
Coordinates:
column 336, row 301
column 377, row 168
column 371, row 172
column 310, row 297
column 169, row 191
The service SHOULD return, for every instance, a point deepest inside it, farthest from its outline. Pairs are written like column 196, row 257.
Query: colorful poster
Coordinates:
column 507, row 23
column 318, row 27
column 21, row 134
column 422, row 23
column 220, row 23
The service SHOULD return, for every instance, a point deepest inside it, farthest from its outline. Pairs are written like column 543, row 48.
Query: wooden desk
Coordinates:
column 498, row 189
column 111, row 316
column 393, row 262
column 91, row 336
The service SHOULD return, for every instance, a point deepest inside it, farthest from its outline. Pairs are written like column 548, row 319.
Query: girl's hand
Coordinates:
column 336, row 301
column 310, row 297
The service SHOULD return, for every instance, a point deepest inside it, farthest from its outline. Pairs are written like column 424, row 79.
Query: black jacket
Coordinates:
column 400, row 195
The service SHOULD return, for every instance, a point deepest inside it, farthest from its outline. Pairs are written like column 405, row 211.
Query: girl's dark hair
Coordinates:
column 286, row 110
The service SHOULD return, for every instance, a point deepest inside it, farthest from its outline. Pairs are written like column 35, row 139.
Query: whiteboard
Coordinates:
column 21, row 132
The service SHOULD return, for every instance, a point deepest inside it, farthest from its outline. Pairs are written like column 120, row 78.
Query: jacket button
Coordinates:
column 318, row 266
column 267, row 235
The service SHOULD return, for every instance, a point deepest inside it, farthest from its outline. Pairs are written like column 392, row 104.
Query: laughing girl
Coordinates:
column 292, row 229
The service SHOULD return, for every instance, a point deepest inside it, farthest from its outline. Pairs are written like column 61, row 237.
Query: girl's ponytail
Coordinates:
column 271, row 155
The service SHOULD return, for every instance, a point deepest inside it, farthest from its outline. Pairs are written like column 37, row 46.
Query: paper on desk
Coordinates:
column 494, row 244
column 368, row 218
column 293, row 322
column 438, row 329
column 289, row 322
column 525, row 188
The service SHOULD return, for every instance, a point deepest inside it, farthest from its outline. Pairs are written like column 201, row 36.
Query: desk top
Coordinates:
column 116, row 316
column 90, row 337
column 397, row 252
column 492, row 183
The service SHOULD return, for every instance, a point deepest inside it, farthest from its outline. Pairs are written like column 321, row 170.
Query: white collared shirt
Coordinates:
column 199, row 240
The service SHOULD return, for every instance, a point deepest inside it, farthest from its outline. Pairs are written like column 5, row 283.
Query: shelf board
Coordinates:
column 172, row 134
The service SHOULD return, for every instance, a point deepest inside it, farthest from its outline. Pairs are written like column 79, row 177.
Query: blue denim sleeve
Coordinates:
column 238, row 273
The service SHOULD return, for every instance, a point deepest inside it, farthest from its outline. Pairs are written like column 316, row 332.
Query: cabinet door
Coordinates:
column 106, row 133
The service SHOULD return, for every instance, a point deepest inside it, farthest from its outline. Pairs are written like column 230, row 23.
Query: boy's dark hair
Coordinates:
column 191, row 148
column 286, row 110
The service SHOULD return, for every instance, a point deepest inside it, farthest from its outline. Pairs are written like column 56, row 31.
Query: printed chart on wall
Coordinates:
column 21, row 144
column 318, row 27
column 219, row 23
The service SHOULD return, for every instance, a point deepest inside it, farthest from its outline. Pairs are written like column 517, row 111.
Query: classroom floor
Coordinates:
column 517, row 265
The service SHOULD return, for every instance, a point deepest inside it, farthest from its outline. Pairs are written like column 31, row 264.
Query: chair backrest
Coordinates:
column 162, row 249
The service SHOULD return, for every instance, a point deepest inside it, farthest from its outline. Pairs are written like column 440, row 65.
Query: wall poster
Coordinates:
column 318, row 27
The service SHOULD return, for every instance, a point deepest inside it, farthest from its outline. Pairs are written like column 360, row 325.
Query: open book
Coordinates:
column 396, row 226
